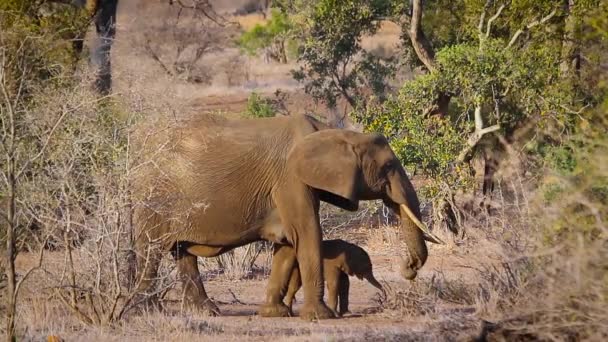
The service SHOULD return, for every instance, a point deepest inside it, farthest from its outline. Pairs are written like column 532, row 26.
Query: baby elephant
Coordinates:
column 340, row 260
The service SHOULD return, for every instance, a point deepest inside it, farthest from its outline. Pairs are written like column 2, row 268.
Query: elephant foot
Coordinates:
column 345, row 313
column 205, row 308
column 274, row 310
column 311, row 312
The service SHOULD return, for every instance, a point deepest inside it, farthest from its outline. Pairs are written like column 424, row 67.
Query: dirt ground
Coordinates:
column 239, row 300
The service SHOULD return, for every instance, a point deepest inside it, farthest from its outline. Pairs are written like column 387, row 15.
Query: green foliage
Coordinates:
column 334, row 63
column 422, row 143
column 574, row 191
column 259, row 106
column 42, row 36
column 490, row 76
column 276, row 33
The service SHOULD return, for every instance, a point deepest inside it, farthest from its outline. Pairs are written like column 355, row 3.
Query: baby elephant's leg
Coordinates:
column 295, row 282
column 343, row 293
column 332, row 277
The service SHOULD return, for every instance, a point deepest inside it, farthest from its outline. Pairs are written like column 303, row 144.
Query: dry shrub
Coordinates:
column 82, row 200
column 371, row 217
column 558, row 295
column 383, row 238
column 239, row 263
column 424, row 296
column 556, row 286
column 236, row 69
column 79, row 193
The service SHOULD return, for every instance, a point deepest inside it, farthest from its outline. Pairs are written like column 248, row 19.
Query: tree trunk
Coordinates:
column 425, row 52
column 571, row 57
column 490, row 168
column 421, row 44
column 105, row 26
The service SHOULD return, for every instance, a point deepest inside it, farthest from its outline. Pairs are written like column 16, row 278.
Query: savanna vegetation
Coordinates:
column 497, row 109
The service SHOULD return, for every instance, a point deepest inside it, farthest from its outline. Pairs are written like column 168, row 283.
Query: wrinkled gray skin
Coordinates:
column 226, row 183
column 341, row 259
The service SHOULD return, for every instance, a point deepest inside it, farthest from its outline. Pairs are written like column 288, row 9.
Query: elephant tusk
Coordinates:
column 429, row 236
column 433, row 238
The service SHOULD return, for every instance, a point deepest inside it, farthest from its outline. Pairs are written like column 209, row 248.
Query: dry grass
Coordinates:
column 241, row 262
column 486, row 288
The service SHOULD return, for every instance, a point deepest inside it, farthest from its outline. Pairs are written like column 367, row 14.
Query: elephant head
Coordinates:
column 344, row 167
column 358, row 263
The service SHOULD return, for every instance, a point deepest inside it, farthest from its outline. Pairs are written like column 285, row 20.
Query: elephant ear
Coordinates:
column 326, row 161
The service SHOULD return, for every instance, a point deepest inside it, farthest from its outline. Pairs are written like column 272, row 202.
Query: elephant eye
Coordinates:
column 387, row 166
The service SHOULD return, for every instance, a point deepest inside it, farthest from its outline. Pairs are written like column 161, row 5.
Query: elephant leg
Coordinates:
column 343, row 289
column 299, row 211
column 283, row 262
column 148, row 258
column 295, row 282
column 332, row 277
column 194, row 292
column 308, row 251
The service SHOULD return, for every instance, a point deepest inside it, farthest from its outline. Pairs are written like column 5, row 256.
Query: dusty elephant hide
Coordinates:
column 219, row 184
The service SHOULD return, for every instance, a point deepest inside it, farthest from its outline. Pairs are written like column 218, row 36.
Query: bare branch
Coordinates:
column 89, row 300
column 531, row 25
column 474, row 140
column 205, row 8
column 476, row 136
column 478, row 118
column 81, row 316
column 33, row 268
column 494, row 17
column 50, row 135
column 482, row 17
column 155, row 56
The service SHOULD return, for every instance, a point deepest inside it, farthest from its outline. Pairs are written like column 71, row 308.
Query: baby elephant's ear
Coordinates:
column 325, row 160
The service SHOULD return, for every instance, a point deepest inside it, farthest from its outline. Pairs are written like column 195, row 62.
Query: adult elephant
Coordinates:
column 226, row 183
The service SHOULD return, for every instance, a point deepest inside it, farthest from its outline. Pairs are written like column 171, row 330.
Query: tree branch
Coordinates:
column 33, row 268
column 421, row 44
column 494, row 17
column 79, row 314
column 49, row 136
column 529, row 26
column 482, row 17
column 155, row 57
column 205, row 8
column 474, row 139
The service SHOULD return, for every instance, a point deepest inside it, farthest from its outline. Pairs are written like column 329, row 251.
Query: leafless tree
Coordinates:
column 178, row 41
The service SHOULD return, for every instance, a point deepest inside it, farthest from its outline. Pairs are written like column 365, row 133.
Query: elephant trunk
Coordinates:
column 372, row 280
column 417, row 251
column 403, row 200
